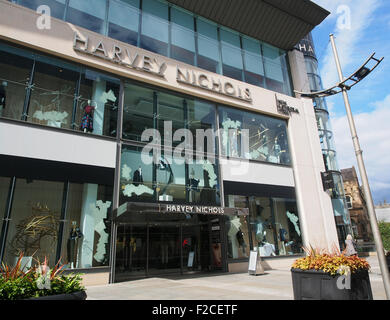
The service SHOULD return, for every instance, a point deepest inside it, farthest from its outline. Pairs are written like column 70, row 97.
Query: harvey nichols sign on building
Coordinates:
column 131, row 57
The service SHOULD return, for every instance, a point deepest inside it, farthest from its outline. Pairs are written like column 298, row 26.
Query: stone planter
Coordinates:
column 79, row 295
column 318, row 285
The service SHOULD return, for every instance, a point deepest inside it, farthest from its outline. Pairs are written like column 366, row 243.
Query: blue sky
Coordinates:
column 361, row 27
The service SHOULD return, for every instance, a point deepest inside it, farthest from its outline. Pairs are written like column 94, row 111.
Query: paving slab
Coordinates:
column 273, row 285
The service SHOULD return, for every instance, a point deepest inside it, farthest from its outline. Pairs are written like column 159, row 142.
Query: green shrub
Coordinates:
column 384, row 229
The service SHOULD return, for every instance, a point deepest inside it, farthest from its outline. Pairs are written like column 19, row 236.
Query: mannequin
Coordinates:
column 137, row 177
column 87, row 119
column 72, row 245
column 193, row 186
column 2, row 96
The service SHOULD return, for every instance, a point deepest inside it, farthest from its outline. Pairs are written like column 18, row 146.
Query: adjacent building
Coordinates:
column 145, row 137
column 356, row 205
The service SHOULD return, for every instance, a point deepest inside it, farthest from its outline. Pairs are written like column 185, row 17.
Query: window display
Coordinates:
column 51, row 101
column 58, row 221
column 267, row 136
column 35, row 216
column 85, row 243
column 237, row 230
column 49, row 91
column 273, row 227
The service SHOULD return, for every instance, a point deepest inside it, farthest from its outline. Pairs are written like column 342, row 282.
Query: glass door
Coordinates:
column 164, row 249
column 131, row 252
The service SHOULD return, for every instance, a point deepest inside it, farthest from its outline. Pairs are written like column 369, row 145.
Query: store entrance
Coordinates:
column 152, row 248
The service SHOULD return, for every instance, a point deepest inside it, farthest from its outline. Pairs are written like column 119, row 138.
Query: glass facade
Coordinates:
column 163, row 28
column 48, row 91
column 272, row 227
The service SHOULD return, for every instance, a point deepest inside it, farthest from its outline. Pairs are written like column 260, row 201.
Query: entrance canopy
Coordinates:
column 126, row 211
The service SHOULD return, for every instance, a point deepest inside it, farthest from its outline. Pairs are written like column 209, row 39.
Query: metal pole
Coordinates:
column 365, row 184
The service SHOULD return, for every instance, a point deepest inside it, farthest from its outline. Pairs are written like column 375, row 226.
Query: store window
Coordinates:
column 231, row 54
column 238, row 230
column 138, row 111
column 85, row 242
column 155, row 27
column 51, row 101
column 57, row 7
column 89, row 14
column 33, row 230
column 15, row 72
column 267, row 137
column 273, row 227
column 123, row 20
column 136, row 176
column 254, row 69
column 208, row 46
column 182, row 36
column 98, row 101
column 201, row 123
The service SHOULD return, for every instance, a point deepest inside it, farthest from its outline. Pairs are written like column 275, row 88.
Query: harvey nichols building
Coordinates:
column 146, row 137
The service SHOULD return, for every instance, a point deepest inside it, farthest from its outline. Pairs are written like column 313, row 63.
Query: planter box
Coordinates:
column 79, row 295
column 318, row 285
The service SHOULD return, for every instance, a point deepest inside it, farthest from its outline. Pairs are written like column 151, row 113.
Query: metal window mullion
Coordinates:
column 139, row 25
column 169, row 31
column 76, row 101
column 243, row 61
column 29, row 88
column 7, row 217
column 64, row 208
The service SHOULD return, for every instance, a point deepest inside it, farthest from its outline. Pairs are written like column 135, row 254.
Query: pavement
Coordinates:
column 275, row 284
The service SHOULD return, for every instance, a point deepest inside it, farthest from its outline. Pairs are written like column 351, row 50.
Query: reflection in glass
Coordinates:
column 51, row 100
column 231, row 54
column 208, row 46
column 15, row 69
column 170, row 108
column 201, row 119
column 138, row 113
column 136, row 176
column 57, row 7
column 267, row 136
column 154, row 30
column 254, row 69
column 88, row 14
column 182, row 36
column 123, row 20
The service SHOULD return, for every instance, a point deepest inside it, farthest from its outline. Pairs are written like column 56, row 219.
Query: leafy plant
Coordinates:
column 333, row 262
column 37, row 281
column 384, row 229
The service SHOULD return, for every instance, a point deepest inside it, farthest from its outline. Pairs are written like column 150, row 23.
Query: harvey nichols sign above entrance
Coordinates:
column 132, row 58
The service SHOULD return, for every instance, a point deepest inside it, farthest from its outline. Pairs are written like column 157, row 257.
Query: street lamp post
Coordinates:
column 363, row 175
